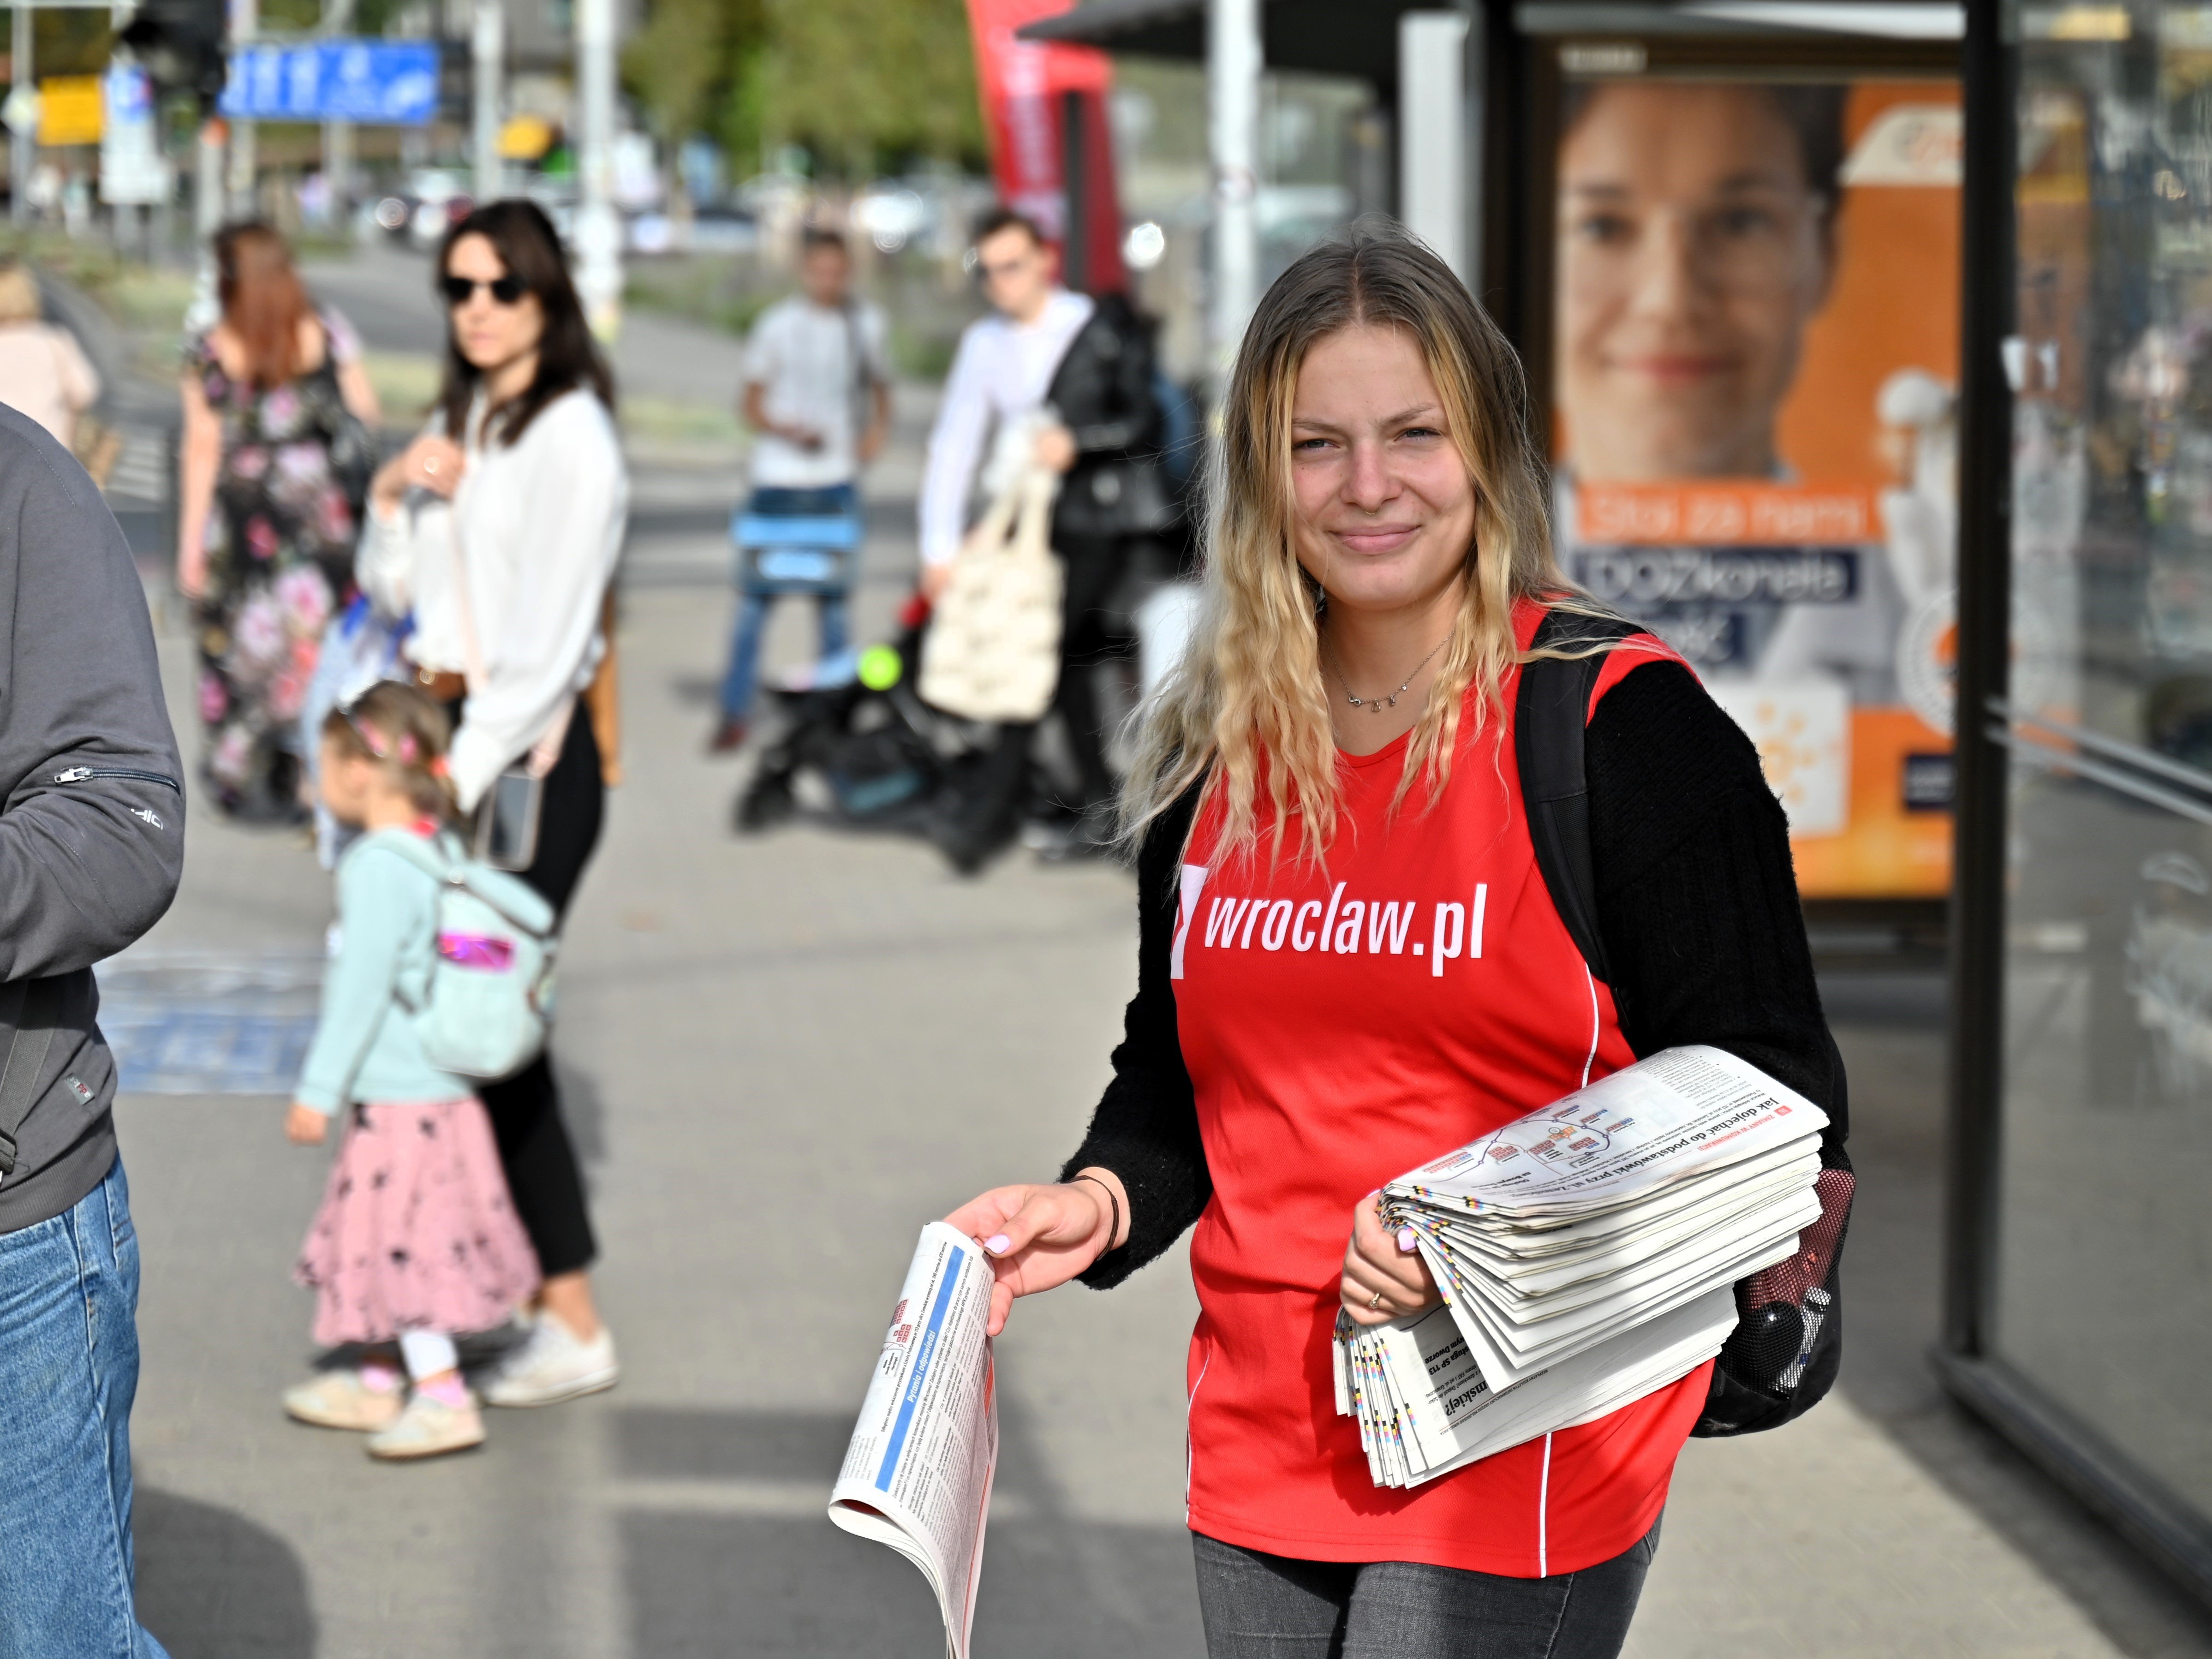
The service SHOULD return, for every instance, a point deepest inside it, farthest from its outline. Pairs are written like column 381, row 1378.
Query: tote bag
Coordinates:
column 993, row 649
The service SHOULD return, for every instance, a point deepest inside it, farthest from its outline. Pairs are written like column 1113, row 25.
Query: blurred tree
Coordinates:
column 367, row 17
column 71, row 42
column 689, row 53
column 857, row 82
column 862, row 82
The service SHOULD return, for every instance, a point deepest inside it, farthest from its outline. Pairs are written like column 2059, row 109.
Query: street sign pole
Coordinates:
column 488, row 44
column 1233, row 65
column 23, row 139
column 244, row 24
column 599, row 228
column 207, row 218
column 338, row 135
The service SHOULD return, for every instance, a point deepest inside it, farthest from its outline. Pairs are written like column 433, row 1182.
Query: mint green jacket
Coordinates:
column 365, row 1045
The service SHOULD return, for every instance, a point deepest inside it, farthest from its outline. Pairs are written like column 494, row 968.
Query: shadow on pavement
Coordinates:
column 1891, row 1026
column 214, row 1585
column 701, row 1582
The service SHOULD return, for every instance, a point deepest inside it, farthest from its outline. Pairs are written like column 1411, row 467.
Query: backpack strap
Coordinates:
column 426, row 855
column 1550, row 712
column 440, row 860
column 28, row 1005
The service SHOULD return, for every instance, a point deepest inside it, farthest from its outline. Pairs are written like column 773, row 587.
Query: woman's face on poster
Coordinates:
column 1692, row 251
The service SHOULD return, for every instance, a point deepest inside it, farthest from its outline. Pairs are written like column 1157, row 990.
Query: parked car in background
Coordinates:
column 890, row 214
column 421, row 211
column 723, row 230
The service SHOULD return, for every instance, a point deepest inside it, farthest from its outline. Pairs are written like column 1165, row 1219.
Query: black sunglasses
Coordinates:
column 459, row 290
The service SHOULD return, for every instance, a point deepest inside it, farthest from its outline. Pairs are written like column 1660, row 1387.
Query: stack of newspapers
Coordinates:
column 1586, row 1252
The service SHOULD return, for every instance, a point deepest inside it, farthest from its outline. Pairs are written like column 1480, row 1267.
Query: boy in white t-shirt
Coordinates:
column 817, row 390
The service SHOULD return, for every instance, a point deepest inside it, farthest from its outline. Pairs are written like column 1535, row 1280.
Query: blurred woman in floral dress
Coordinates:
column 278, row 447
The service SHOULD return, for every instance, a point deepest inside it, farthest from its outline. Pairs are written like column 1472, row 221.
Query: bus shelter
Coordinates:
column 2079, row 1314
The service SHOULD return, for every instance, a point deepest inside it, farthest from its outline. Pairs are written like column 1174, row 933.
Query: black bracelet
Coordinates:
column 1114, row 1205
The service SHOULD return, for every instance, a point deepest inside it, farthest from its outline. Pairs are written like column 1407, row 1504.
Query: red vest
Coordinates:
column 1342, row 1025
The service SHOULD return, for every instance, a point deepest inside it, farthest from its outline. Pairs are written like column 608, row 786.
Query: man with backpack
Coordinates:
column 91, row 847
column 817, row 392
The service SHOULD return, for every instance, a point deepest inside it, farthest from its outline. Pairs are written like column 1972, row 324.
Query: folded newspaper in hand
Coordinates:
column 1586, row 1252
column 917, row 1476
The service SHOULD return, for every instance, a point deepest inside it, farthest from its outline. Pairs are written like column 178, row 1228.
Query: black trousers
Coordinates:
column 1092, row 567
column 543, row 1175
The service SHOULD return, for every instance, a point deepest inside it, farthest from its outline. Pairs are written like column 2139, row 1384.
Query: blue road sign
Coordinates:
column 383, row 82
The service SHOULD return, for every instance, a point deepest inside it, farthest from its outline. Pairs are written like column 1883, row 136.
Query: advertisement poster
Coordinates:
column 1756, row 364
column 1024, row 86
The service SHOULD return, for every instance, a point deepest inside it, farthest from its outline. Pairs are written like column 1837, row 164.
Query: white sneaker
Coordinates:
column 428, row 1428
column 554, row 1365
column 340, row 1400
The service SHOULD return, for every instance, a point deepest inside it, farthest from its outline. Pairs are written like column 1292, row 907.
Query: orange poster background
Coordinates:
column 1895, row 305
column 1887, row 853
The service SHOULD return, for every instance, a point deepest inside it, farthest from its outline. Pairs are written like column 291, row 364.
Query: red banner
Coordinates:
column 1026, row 87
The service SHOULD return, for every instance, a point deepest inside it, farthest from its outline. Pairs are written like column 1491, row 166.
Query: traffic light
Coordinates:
column 180, row 44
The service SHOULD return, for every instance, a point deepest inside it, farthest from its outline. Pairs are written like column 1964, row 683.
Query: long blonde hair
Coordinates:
column 1246, row 709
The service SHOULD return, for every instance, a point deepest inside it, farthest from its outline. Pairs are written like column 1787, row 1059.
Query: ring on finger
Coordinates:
column 1374, row 1301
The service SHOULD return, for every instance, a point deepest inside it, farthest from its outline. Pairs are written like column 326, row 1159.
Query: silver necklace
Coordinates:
column 1376, row 705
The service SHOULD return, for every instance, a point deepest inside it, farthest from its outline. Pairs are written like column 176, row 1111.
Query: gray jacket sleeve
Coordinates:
column 92, row 829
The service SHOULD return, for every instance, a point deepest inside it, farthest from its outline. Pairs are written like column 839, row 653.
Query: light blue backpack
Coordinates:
column 488, row 1001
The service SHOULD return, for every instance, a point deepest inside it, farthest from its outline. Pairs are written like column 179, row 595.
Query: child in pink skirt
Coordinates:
column 416, row 1241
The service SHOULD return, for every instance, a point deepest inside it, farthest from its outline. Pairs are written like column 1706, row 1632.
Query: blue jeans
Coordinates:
column 69, row 1370
column 831, row 501
column 744, row 649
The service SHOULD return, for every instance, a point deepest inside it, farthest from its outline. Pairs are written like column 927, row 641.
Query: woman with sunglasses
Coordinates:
column 500, row 527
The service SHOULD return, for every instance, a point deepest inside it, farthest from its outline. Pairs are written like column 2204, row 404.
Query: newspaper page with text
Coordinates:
column 917, row 1476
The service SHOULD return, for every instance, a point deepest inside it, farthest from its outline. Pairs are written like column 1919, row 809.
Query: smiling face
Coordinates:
column 1384, row 507
column 491, row 336
column 1692, row 253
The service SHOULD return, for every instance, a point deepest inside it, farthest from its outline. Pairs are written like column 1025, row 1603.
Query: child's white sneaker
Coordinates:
column 554, row 1365
column 429, row 1427
column 340, row 1400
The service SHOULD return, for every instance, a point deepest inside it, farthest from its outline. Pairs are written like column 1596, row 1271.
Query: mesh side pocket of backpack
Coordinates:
column 1784, row 1309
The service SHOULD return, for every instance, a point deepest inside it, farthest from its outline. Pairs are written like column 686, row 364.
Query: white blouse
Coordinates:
column 540, row 528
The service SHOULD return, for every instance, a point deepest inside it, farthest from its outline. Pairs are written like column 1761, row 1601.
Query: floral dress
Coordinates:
column 279, row 544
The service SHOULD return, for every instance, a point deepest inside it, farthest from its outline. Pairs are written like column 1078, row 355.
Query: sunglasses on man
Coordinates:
column 459, row 290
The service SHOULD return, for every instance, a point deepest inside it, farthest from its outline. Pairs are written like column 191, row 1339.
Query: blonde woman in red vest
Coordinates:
column 1324, row 1002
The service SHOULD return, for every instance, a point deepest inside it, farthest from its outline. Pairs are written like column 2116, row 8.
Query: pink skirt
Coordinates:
column 416, row 1231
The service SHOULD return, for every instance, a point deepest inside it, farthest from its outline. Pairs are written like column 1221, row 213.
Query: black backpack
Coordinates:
column 1790, row 1339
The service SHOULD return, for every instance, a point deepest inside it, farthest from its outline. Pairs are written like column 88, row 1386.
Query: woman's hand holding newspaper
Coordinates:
column 1384, row 1276
column 1037, row 1236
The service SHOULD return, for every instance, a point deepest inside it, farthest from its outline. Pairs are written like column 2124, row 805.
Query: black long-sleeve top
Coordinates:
column 1697, row 902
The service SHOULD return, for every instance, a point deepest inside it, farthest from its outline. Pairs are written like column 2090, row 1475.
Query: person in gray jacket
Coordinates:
column 91, row 845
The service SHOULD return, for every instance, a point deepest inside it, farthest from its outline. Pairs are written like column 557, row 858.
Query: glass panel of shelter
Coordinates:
column 2102, row 1293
